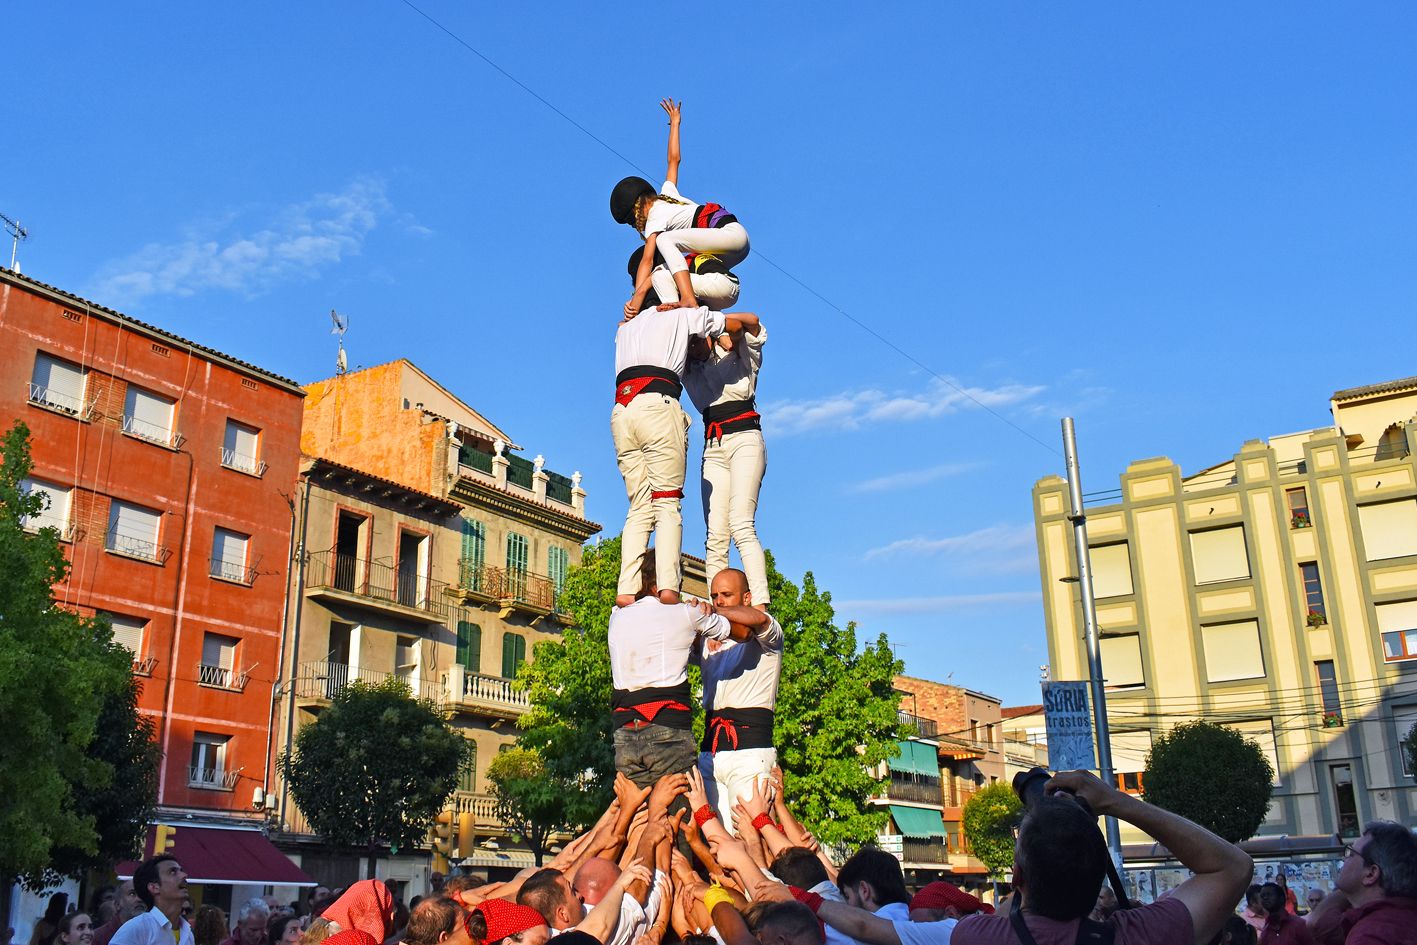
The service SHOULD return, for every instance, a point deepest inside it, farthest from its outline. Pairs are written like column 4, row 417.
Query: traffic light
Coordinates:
column 442, row 838
column 164, row 836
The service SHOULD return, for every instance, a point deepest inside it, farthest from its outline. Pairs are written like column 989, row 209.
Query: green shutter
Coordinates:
column 557, row 563
column 513, row 654
column 467, row 774
column 919, row 823
column 470, row 646
column 516, row 552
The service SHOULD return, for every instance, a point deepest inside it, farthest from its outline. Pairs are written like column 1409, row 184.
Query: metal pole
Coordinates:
column 1089, row 623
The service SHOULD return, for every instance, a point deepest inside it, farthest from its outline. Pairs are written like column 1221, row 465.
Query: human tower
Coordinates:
column 676, row 336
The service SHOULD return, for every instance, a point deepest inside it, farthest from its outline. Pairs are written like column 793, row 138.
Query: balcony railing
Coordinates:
column 135, row 547
column 493, row 690
column 515, row 587
column 921, row 792
column 222, row 677
column 212, row 779
column 377, row 582
column 925, row 851
column 482, row 807
column 60, row 401
column 153, row 432
column 925, row 728
column 144, row 665
column 242, row 463
column 236, row 571
column 35, row 522
column 322, row 679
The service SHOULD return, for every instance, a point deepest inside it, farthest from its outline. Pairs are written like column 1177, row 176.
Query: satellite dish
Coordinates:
column 342, row 362
column 341, row 323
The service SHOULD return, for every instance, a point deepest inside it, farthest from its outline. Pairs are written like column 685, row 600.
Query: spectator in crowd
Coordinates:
column 941, row 900
column 76, row 928
column 1313, row 897
column 1291, row 901
column 1106, row 905
column 161, row 884
column 1376, row 898
column 251, row 923
column 436, row 920
column 367, row 906
column 436, row 882
column 209, row 925
column 284, row 930
column 1253, row 913
column 127, row 905
column 320, row 898
column 1235, row 931
column 1280, row 926
column 872, row 880
column 45, row 928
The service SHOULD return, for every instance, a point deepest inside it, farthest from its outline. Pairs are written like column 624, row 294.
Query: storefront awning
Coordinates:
column 919, row 823
column 225, row 856
column 916, row 758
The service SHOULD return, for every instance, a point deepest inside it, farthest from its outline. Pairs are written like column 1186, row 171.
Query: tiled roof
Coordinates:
column 448, row 507
column 1017, row 711
column 9, row 275
column 1387, row 387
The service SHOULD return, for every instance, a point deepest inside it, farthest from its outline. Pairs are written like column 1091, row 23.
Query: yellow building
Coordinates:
column 1274, row 592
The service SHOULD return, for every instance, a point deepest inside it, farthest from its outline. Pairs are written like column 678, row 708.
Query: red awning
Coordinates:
column 221, row 855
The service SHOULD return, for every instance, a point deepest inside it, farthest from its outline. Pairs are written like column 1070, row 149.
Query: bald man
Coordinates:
column 740, row 692
column 595, row 876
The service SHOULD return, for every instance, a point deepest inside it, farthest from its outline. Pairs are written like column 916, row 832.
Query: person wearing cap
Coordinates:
column 723, row 386
column 497, row 920
column 675, row 225
column 367, row 906
column 650, row 431
column 713, row 284
column 942, row 900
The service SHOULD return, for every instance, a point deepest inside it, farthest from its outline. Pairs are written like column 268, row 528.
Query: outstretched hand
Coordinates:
column 698, row 794
column 628, row 793
column 665, row 790
column 672, row 109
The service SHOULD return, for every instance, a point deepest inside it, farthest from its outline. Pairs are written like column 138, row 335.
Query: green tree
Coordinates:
column 57, row 672
column 528, row 801
column 1409, row 749
column 836, row 710
column 375, row 768
column 988, row 820
column 1211, row 775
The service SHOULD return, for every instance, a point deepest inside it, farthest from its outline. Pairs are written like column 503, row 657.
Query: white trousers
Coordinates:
column 729, row 243
column 732, row 475
column 651, row 444
column 717, row 290
column 729, row 777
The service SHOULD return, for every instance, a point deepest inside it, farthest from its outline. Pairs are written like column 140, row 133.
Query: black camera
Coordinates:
column 1028, row 785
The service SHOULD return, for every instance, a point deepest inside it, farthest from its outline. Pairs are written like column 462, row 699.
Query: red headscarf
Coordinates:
column 505, row 918
column 367, row 906
column 352, row 937
column 941, row 895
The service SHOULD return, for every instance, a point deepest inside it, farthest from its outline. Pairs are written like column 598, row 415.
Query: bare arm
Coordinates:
column 773, row 838
column 748, row 321
column 606, row 915
column 671, row 108
column 858, row 923
column 642, row 279
column 1222, row 870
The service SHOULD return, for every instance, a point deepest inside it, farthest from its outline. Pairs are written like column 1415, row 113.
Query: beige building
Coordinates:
column 1274, row 592
column 431, row 552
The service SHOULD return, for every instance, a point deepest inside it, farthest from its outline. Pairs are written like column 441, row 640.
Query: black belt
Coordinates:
column 736, row 729
column 633, row 381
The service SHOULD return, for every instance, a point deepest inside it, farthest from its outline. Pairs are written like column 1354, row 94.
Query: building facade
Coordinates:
column 433, row 553
column 1276, row 593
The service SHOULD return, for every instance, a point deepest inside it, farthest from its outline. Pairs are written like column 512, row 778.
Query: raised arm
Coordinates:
column 748, row 322
column 671, row 108
column 606, row 915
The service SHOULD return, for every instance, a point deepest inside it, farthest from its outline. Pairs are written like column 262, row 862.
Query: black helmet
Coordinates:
column 625, row 195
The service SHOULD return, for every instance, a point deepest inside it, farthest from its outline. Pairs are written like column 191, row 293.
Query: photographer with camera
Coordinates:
column 1060, row 860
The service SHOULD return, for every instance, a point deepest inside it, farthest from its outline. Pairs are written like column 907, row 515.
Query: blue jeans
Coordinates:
column 648, row 754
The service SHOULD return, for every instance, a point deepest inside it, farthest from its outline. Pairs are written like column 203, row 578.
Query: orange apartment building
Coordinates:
column 168, row 468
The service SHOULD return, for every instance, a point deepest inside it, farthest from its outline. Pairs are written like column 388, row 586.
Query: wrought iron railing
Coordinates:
column 323, row 679
column 242, row 463
column 222, row 677
column 925, row 851
column 925, row 728
column 144, row 665
column 58, row 400
column 237, row 571
column 375, row 581
column 153, row 432
column 212, row 779
column 922, row 791
column 512, row 585
column 136, row 547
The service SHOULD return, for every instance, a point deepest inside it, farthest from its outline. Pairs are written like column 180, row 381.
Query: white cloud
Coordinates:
column 850, row 409
column 911, row 477
column 297, row 241
column 943, row 603
column 991, row 541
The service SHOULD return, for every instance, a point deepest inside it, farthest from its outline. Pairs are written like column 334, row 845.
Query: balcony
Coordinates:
column 387, row 589
column 931, row 851
column 482, row 807
column 144, row 665
column 153, row 433
column 132, row 546
column 240, row 462
column 924, row 728
column 319, row 681
column 919, row 792
column 236, row 572
column 513, row 590
column 222, row 677
column 212, row 779
column 483, row 694
column 60, row 402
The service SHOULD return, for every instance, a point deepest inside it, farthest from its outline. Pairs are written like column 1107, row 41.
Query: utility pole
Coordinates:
column 1089, row 622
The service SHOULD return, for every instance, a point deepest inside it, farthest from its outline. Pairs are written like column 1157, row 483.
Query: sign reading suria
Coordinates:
column 1069, row 725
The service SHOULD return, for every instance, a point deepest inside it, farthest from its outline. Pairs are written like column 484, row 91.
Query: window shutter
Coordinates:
column 474, row 543
column 470, row 646
column 513, row 654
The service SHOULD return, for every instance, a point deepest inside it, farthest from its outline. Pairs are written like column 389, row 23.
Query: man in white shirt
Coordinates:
column 650, row 432
column 723, row 386
column 872, row 880
column 649, row 644
column 740, row 692
column 161, row 884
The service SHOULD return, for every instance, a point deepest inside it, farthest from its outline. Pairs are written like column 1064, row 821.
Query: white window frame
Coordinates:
column 60, row 496
column 208, row 769
column 233, row 457
column 141, row 416
column 132, row 546
column 45, row 393
column 227, row 568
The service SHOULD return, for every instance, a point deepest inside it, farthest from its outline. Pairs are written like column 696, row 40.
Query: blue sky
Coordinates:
column 1186, row 228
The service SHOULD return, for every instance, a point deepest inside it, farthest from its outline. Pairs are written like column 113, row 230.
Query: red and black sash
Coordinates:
column 711, row 216
column 730, row 417
column 662, row 705
column 634, row 381
column 736, row 729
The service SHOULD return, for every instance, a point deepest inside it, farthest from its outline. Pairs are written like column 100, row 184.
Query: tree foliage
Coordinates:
column 1409, row 749
column 836, row 710
column 988, row 820
column 59, row 672
column 1211, row 775
column 375, row 767
column 528, row 802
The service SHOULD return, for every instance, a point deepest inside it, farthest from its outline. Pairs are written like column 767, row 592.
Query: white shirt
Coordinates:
column 650, row 641
column 661, row 339
column 725, row 376
column 827, row 890
column 743, row 674
column 670, row 216
column 925, row 933
column 151, row 928
column 895, row 911
column 635, row 920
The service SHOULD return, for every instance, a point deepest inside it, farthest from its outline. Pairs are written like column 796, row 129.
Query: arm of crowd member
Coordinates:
column 748, row 322
column 750, row 838
column 727, row 919
column 655, row 933
column 671, row 108
column 797, row 835
column 629, row 798
column 699, row 847
column 1325, row 920
column 606, row 915
column 642, row 279
column 745, row 620
column 1222, row 870
column 658, row 834
column 755, row 806
column 637, row 829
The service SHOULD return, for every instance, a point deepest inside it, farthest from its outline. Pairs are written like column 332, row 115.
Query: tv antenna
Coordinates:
column 17, row 234
column 341, row 323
